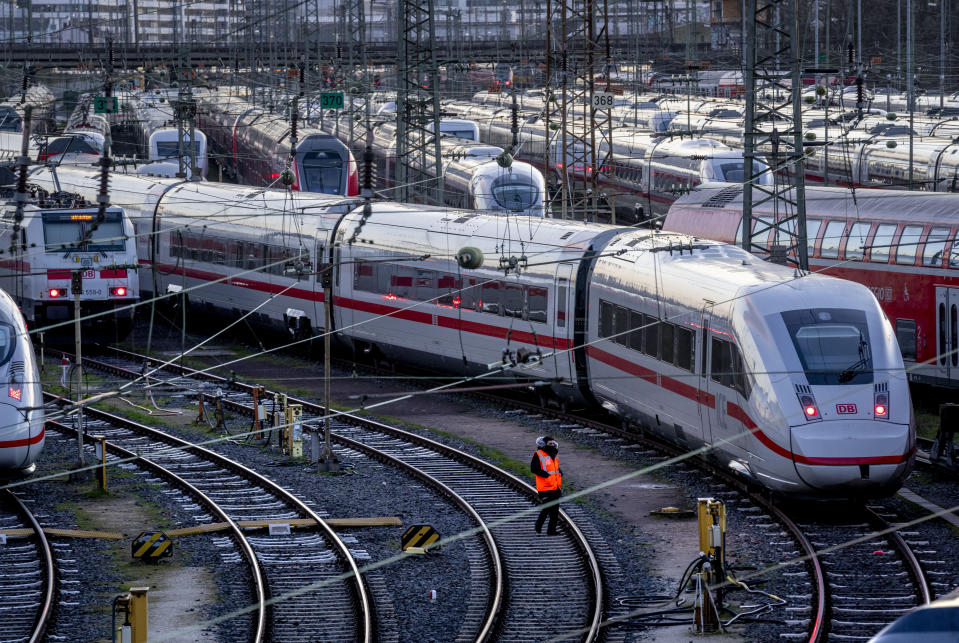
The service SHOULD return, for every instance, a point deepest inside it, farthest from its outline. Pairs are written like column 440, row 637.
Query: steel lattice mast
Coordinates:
column 417, row 102
column 577, row 51
column 773, row 99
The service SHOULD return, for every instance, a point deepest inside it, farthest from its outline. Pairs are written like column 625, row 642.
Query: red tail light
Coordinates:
column 119, row 291
column 55, row 292
column 881, row 408
column 809, row 407
column 15, row 393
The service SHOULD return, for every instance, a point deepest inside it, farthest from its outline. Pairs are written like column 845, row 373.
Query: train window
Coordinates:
column 812, row 231
column 513, row 300
column 425, row 285
column 882, row 242
column 561, row 303
column 636, row 326
column 906, row 335
column 175, row 246
column 651, row 336
column 490, row 302
column 449, row 291
column 71, row 145
column 364, row 277
column 536, row 299
column 856, row 240
column 470, row 294
column 954, row 255
column 685, row 339
column 829, row 248
column 941, row 348
column 606, row 312
column 238, row 254
column 401, row 282
column 935, row 246
column 908, row 244
column 666, row 347
column 515, row 197
column 954, row 335
column 721, row 366
column 621, row 325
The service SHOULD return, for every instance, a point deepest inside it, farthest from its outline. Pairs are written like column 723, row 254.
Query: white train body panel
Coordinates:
column 742, row 333
column 21, row 398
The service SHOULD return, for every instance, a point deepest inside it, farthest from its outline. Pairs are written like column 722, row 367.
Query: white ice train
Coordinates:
column 83, row 136
column 796, row 381
column 42, row 101
column 53, row 243
column 254, row 146
column 159, row 139
column 472, row 175
column 21, row 399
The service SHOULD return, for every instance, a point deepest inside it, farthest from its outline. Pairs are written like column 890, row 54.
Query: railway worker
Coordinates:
column 549, row 481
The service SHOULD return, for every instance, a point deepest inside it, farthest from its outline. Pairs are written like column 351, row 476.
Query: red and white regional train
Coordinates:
column 796, row 382
column 21, row 400
column 901, row 245
column 255, row 145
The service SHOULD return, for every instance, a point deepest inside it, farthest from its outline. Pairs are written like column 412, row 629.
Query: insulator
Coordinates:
column 852, row 53
column 368, row 168
column 860, row 97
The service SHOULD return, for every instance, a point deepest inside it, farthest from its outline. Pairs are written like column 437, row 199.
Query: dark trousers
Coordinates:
column 551, row 512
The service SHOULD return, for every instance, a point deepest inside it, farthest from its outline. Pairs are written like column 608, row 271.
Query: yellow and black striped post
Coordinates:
column 418, row 538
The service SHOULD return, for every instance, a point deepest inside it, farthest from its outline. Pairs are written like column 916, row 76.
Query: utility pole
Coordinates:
column 783, row 150
column 326, row 460
column 942, row 53
column 910, row 99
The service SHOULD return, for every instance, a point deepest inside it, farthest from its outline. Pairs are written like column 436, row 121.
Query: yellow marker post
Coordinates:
column 132, row 608
column 101, row 448
column 712, row 536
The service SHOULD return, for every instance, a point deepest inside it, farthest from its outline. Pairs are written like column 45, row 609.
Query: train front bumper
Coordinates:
column 853, row 457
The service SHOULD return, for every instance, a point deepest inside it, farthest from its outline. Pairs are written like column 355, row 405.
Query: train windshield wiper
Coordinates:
column 858, row 367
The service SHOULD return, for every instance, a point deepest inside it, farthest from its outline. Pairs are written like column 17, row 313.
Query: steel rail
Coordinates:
column 913, row 565
column 258, row 633
column 598, row 597
column 362, row 597
column 45, row 613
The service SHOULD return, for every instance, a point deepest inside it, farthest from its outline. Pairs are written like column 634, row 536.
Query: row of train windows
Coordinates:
column 502, row 298
column 264, row 257
column 856, row 244
column 672, row 344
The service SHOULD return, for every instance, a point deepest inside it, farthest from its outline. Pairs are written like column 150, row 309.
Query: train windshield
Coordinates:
column 75, row 232
column 832, row 343
column 171, row 149
column 515, row 197
column 71, row 145
column 7, row 345
column 732, row 171
column 322, row 171
column 10, row 120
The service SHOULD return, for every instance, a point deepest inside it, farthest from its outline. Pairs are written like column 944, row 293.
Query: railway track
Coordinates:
column 305, row 586
column 27, row 575
column 520, row 606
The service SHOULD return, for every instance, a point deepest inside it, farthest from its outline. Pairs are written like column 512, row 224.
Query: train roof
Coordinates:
column 871, row 203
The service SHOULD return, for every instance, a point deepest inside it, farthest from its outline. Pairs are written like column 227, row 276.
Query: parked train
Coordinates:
column 83, row 136
column 795, row 381
column 40, row 99
column 51, row 245
column 21, row 400
column 159, row 139
column 903, row 246
column 644, row 172
column 254, row 145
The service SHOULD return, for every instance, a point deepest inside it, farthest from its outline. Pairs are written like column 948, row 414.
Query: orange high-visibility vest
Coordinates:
column 550, row 466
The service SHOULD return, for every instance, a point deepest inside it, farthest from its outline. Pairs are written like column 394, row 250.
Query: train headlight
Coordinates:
column 119, row 291
column 55, row 292
column 809, row 407
column 881, row 408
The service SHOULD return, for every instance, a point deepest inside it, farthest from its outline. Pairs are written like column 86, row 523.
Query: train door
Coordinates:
column 562, row 326
column 947, row 332
column 704, row 395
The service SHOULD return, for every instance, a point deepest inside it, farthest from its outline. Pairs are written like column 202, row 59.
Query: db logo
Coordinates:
column 845, row 409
